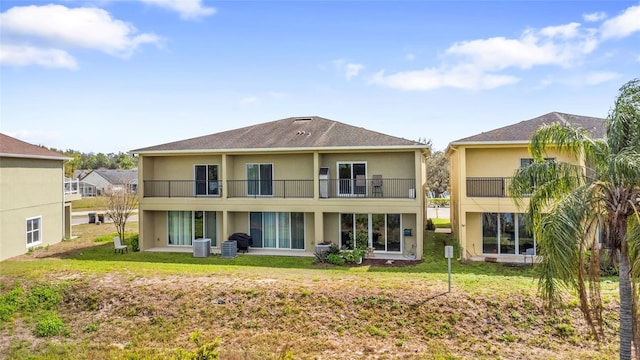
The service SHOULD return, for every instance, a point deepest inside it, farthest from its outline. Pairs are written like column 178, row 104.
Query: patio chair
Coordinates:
column 118, row 247
column 376, row 185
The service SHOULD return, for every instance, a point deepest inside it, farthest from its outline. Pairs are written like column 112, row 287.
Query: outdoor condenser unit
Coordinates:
column 324, row 182
column 201, row 247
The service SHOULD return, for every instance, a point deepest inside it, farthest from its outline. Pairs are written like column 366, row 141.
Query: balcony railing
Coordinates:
column 71, row 186
column 182, row 188
column 329, row 188
column 270, row 188
column 488, row 186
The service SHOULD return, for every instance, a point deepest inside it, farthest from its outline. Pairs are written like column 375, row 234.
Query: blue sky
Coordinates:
column 109, row 76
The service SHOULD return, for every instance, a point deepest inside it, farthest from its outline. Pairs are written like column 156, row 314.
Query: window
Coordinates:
column 34, row 228
column 352, row 178
column 185, row 226
column 382, row 230
column 207, row 180
column 260, row 179
column 277, row 230
column 506, row 233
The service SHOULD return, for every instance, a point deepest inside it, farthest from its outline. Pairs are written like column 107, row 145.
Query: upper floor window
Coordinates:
column 34, row 229
column 528, row 161
column 260, row 179
column 352, row 178
column 207, row 181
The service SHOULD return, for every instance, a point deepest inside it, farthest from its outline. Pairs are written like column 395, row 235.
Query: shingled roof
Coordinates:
column 522, row 131
column 12, row 147
column 293, row 132
column 118, row 176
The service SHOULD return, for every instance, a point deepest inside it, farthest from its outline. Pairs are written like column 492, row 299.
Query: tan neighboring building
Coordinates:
column 484, row 218
column 290, row 184
column 35, row 198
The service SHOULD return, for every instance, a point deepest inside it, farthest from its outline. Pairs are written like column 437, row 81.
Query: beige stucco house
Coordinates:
column 35, row 198
column 484, row 217
column 290, row 184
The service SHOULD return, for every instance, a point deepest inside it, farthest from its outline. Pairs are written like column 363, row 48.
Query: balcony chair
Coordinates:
column 376, row 185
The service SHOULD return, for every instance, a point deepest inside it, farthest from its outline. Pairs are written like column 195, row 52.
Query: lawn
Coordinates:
column 94, row 304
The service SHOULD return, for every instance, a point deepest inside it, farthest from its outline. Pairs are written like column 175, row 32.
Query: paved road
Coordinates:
column 82, row 217
column 438, row 213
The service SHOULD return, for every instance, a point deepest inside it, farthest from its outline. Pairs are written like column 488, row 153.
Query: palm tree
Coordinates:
column 593, row 196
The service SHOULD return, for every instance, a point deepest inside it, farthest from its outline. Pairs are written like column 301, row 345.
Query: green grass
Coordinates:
column 442, row 223
column 90, row 203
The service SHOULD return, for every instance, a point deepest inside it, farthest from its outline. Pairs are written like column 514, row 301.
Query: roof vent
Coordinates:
column 301, row 119
column 300, row 132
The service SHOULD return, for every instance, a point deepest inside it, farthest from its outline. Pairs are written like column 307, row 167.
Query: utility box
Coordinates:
column 229, row 249
column 448, row 251
column 324, row 182
column 201, row 247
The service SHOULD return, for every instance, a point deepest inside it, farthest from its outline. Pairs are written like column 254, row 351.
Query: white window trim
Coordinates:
column 246, row 169
column 195, row 185
column 304, row 224
column 370, row 232
column 193, row 228
column 26, row 227
column 353, row 185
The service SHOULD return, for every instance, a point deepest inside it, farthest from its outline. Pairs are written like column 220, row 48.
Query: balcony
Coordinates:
column 329, row 188
column 71, row 189
column 488, row 186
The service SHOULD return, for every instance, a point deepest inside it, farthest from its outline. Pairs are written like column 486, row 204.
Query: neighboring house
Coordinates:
column 290, row 184
column 483, row 216
column 35, row 198
column 101, row 181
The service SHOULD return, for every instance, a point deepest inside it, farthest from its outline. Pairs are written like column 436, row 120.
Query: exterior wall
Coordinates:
column 30, row 188
column 321, row 214
column 498, row 161
column 98, row 181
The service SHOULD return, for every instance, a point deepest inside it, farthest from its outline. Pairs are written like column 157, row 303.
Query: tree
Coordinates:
column 120, row 204
column 571, row 205
column 438, row 173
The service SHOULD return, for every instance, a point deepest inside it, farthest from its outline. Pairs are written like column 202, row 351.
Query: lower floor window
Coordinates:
column 34, row 226
column 278, row 230
column 506, row 233
column 185, row 226
column 382, row 231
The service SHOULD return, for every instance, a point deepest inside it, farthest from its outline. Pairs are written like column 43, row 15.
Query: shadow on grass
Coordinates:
column 434, row 261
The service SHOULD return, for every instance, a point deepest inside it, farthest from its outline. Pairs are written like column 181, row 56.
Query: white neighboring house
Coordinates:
column 98, row 182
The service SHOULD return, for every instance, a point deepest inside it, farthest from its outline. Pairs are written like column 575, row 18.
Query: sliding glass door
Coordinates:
column 277, row 230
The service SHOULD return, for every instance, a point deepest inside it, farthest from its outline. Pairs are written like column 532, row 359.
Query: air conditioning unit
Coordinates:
column 229, row 249
column 201, row 247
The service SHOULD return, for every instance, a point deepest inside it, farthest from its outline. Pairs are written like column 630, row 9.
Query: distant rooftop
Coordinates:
column 293, row 132
column 524, row 130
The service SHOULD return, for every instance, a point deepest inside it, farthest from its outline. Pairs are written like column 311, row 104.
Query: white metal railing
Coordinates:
column 71, row 186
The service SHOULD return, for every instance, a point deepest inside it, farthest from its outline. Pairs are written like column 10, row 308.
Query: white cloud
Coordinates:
column 597, row 78
column 622, row 25
column 593, row 17
column 462, row 77
column 350, row 70
column 188, row 9
column 249, row 100
column 557, row 45
column 90, row 28
column 410, row 57
column 27, row 55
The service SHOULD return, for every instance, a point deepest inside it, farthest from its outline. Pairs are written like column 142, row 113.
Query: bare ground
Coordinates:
column 271, row 313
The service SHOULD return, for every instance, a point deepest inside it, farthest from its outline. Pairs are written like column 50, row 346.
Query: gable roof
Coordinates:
column 294, row 132
column 12, row 147
column 117, row 177
column 524, row 130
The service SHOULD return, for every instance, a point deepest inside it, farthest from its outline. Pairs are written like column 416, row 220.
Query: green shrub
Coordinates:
column 205, row 351
column 335, row 259
column 9, row 303
column 135, row 243
column 50, row 324
column 42, row 297
column 430, row 226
